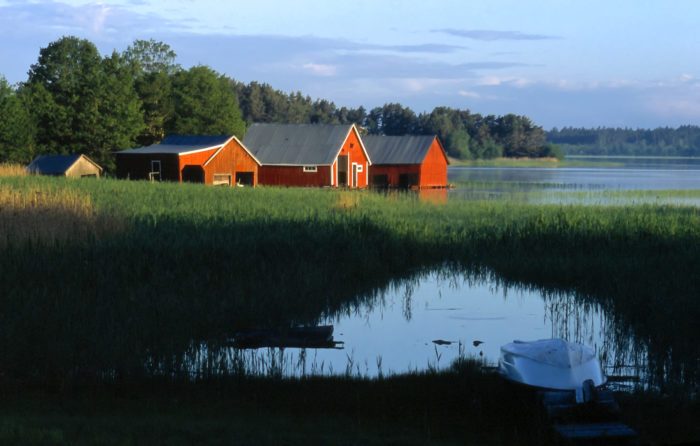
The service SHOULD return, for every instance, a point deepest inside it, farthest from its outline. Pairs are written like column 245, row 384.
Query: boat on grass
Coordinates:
column 552, row 364
column 570, row 387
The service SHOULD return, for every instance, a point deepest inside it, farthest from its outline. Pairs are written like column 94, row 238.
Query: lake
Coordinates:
column 583, row 185
column 635, row 173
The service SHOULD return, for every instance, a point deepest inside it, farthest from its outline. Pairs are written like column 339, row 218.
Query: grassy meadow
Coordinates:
column 117, row 285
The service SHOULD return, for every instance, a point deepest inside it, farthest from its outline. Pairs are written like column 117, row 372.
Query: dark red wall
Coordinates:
column 294, row 176
column 432, row 172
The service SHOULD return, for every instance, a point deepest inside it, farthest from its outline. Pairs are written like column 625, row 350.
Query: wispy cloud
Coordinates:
column 320, row 69
column 469, row 94
column 492, row 35
column 93, row 17
column 422, row 48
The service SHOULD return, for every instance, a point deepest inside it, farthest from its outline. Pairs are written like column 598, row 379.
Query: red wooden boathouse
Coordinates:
column 217, row 160
column 309, row 154
column 411, row 161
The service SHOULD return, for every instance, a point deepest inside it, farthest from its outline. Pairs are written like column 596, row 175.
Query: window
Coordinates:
column 221, row 179
column 154, row 174
column 310, row 169
column 359, row 167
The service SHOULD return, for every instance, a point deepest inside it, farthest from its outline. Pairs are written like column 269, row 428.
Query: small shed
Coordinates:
column 208, row 159
column 410, row 161
column 74, row 166
column 309, row 154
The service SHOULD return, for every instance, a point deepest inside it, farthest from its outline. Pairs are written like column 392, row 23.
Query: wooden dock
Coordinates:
column 597, row 420
column 289, row 337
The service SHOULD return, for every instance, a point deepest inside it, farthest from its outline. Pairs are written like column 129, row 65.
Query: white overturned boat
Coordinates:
column 552, row 364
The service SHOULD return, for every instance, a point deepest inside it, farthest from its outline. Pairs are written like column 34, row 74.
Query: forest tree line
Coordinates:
column 602, row 141
column 76, row 101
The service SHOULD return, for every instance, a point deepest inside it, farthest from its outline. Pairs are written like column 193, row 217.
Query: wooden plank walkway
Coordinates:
column 613, row 429
column 597, row 419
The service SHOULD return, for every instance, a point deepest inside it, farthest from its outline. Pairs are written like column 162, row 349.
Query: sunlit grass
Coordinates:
column 12, row 170
column 45, row 215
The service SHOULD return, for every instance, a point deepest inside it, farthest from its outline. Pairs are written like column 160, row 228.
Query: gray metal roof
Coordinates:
column 54, row 164
column 182, row 144
column 296, row 144
column 408, row 149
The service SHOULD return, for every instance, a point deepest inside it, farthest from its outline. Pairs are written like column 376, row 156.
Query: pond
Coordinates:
column 428, row 321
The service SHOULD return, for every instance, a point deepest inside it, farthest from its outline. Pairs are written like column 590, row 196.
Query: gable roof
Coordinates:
column 296, row 144
column 181, row 144
column 407, row 149
column 184, row 144
column 56, row 164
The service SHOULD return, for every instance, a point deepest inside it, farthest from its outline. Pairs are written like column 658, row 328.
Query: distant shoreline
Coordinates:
column 645, row 157
column 529, row 163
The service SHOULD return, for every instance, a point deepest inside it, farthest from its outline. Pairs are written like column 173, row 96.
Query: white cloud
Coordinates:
column 93, row 17
column 320, row 69
column 494, row 81
column 469, row 94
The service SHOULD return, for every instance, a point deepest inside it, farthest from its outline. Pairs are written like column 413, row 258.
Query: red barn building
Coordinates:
column 407, row 161
column 217, row 160
column 309, row 154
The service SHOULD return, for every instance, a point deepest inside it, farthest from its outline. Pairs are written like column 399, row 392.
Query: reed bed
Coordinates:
column 185, row 266
column 48, row 216
column 12, row 170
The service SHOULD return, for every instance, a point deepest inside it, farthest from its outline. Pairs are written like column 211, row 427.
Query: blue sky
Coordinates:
column 561, row 63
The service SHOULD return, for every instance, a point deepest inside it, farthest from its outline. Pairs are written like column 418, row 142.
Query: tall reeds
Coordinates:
column 112, row 280
column 46, row 216
column 12, row 170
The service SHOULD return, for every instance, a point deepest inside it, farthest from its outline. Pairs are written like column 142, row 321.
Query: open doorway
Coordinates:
column 343, row 170
column 193, row 173
column 245, row 178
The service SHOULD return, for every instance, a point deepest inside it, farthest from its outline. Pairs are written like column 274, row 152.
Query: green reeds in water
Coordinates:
column 186, row 265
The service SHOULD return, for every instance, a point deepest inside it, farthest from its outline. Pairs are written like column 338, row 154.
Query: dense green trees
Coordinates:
column 17, row 128
column 153, row 65
column 204, row 104
column 81, row 102
column 662, row 141
column 76, row 101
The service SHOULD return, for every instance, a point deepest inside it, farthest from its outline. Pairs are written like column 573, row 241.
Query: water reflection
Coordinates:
column 430, row 319
column 638, row 181
column 644, row 177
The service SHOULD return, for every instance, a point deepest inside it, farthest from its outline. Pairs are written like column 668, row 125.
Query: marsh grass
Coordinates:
column 459, row 406
column 48, row 216
column 12, row 170
column 185, row 266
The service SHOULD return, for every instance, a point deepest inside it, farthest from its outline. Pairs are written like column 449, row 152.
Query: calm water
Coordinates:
column 646, row 174
column 396, row 333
